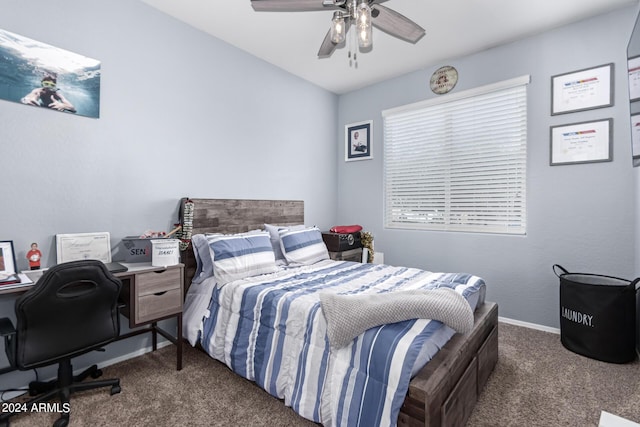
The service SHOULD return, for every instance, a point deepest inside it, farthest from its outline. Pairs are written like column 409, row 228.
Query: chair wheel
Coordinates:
column 61, row 422
column 115, row 389
column 97, row 373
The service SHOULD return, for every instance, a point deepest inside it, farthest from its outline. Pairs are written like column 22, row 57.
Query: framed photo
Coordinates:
column 586, row 142
column 633, row 68
column 45, row 76
column 7, row 260
column 582, row 90
column 358, row 141
column 635, row 136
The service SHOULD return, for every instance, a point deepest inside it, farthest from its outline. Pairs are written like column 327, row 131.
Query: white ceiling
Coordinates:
column 454, row 28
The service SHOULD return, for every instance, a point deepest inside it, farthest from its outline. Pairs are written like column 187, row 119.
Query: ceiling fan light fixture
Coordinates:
column 363, row 25
column 337, row 28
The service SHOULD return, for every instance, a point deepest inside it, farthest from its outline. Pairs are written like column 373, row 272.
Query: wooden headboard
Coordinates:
column 236, row 216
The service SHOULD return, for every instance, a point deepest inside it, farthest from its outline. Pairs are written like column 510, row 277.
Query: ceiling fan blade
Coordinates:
column 395, row 24
column 327, row 47
column 290, row 5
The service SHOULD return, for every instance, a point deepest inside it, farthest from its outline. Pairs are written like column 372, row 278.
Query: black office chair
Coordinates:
column 71, row 310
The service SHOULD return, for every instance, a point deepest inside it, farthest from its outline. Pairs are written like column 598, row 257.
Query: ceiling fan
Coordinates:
column 363, row 14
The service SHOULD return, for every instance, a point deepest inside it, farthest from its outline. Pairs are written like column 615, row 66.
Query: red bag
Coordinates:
column 345, row 229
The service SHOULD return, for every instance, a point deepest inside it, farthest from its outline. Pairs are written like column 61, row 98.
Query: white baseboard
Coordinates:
column 542, row 328
column 529, row 325
column 138, row 352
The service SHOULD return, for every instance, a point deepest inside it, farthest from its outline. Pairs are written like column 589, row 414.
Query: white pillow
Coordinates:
column 203, row 256
column 274, row 234
column 303, row 246
column 239, row 256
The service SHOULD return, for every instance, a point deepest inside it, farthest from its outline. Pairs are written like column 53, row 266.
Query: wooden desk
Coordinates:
column 148, row 295
column 9, row 289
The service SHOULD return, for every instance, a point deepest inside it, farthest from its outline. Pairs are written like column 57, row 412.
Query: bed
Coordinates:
column 239, row 321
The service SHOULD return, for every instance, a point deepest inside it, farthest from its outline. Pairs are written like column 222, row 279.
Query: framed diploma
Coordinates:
column 78, row 246
column 633, row 67
column 582, row 90
column 585, row 142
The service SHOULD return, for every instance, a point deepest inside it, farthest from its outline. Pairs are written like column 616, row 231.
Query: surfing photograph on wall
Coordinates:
column 44, row 76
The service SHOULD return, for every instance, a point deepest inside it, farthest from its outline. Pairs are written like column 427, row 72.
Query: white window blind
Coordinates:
column 458, row 163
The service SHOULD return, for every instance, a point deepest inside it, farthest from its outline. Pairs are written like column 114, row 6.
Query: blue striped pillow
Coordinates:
column 274, row 234
column 240, row 256
column 303, row 246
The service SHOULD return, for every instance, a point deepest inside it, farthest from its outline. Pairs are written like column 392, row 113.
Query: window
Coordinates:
column 458, row 163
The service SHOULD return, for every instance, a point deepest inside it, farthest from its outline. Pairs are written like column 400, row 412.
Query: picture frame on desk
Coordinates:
column 8, row 272
column 77, row 246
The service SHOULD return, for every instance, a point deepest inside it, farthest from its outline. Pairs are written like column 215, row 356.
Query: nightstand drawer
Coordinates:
column 154, row 282
column 354, row 255
column 155, row 306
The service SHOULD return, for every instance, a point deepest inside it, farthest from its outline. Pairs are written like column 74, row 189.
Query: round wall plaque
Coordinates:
column 443, row 79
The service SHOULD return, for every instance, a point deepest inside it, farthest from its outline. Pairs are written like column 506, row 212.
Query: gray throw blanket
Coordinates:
column 350, row 315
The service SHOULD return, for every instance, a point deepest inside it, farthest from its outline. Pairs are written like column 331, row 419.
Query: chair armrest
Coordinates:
column 6, row 327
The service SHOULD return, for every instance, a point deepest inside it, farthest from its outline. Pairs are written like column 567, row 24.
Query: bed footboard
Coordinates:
column 445, row 391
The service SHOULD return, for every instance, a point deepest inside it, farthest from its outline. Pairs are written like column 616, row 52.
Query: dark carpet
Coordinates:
column 537, row 382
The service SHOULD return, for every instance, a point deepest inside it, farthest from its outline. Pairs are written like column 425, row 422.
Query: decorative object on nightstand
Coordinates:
column 186, row 223
column 367, row 242
column 344, row 244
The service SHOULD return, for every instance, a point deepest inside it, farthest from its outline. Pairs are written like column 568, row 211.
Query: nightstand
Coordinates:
column 349, row 255
column 150, row 294
column 343, row 247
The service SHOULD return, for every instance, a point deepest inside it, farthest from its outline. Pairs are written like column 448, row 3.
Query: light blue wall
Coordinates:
column 580, row 216
column 182, row 114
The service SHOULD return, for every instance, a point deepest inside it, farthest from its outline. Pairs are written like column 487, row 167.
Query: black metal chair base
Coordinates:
column 63, row 387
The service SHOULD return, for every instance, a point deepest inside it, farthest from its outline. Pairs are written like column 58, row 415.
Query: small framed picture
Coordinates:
column 7, row 260
column 358, row 141
column 633, row 68
column 635, row 135
column 582, row 90
column 586, row 142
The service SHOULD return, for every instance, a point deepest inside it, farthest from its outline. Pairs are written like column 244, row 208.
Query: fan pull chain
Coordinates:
column 353, row 42
column 349, row 54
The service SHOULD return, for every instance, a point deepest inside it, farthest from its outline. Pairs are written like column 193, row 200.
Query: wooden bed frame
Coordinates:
column 445, row 391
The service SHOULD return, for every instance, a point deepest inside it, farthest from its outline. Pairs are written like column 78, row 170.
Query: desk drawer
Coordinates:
column 153, row 282
column 155, row 306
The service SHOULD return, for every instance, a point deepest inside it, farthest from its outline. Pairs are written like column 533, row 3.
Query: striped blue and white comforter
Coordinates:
column 271, row 330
